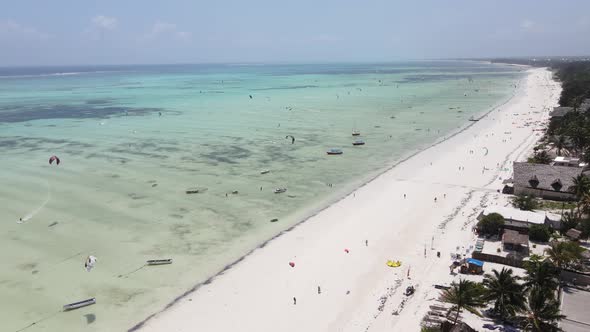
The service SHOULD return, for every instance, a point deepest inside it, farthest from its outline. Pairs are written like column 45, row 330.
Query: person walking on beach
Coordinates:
column 319, row 290
column 404, row 196
column 366, row 243
column 294, row 300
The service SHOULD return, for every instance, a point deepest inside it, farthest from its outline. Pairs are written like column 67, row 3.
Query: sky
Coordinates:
column 80, row 32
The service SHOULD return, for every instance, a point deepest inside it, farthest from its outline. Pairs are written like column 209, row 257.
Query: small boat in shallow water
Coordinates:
column 159, row 261
column 334, row 151
column 79, row 304
column 265, row 171
column 358, row 142
column 280, row 190
column 356, row 133
column 195, row 190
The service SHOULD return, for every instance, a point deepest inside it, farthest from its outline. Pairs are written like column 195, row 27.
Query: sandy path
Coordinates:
column 358, row 291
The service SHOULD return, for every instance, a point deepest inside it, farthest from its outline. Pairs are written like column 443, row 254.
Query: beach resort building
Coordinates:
column 567, row 161
column 545, row 181
column 573, row 234
column 515, row 241
column 559, row 112
column 520, row 221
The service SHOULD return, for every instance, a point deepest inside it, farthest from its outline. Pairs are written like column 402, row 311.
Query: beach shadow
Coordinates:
column 90, row 318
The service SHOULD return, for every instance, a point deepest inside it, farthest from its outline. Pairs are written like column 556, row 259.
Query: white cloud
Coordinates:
column 527, row 24
column 164, row 29
column 12, row 29
column 104, row 22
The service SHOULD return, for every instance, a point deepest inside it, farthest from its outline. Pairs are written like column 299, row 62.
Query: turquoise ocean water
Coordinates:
column 133, row 139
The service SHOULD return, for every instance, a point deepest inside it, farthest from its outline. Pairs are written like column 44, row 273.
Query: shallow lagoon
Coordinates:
column 133, row 139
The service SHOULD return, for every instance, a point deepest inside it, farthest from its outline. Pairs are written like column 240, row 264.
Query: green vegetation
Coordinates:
column 429, row 329
column 584, row 226
column 579, row 221
column 562, row 254
column 553, row 206
column 539, row 233
column 463, row 295
column 503, row 289
column 542, row 311
column 532, row 304
column 560, row 142
column 581, row 186
column 491, row 224
column 525, row 202
column 570, row 132
column 540, row 157
column 575, row 80
column 541, row 273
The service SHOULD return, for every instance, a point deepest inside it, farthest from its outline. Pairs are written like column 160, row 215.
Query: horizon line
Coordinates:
column 237, row 63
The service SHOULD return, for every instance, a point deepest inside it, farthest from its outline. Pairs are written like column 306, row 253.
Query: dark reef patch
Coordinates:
column 294, row 87
column 40, row 143
column 99, row 101
column 227, row 154
column 22, row 113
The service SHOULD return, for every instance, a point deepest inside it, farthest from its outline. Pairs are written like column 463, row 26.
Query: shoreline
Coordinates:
column 338, row 198
column 328, row 212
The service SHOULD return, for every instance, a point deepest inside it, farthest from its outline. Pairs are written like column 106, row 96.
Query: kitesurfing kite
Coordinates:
column 52, row 159
column 89, row 264
column 292, row 138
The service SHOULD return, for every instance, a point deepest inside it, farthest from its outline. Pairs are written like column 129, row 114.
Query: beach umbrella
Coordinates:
column 292, row 264
column 346, row 251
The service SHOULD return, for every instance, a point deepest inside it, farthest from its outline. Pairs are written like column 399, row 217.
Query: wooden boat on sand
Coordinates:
column 79, row 304
column 159, row 261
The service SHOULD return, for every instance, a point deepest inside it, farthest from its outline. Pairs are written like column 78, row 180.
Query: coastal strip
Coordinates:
column 343, row 252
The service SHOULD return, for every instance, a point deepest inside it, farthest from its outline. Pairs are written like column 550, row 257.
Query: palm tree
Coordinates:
column 541, row 157
column 564, row 253
column 503, row 288
column 578, row 137
column 463, row 295
column 542, row 311
column 569, row 220
column 560, row 143
column 584, row 203
column 541, row 274
column 581, row 187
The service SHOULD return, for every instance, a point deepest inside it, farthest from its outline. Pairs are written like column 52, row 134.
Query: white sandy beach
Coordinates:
column 358, row 291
